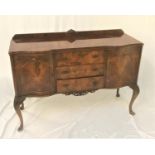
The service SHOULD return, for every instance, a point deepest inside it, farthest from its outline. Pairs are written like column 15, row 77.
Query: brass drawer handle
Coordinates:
column 94, row 69
column 65, row 85
column 95, row 56
column 65, row 59
column 76, row 63
column 81, row 54
column 65, row 72
column 95, row 83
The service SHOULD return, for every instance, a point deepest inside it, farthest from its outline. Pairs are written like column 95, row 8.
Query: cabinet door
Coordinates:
column 32, row 74
column 122, row 66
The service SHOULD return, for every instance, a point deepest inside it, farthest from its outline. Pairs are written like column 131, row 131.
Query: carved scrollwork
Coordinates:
column 80, row 93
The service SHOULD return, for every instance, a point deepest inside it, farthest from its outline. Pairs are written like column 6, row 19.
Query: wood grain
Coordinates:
column 78, row 71
column 81, row 84
column 73, row 63
column 79, row 57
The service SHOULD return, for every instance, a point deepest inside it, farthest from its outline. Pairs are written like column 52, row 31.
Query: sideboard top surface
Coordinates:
column 68, row 40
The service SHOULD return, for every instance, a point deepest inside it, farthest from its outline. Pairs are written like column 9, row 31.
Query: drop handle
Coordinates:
column 66, row 85
column 94, row 83
column 94, row 69
column 65, row 72
column 76, row 63
column 95, row 56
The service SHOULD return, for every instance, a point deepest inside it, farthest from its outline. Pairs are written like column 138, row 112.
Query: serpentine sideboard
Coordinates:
column 73, row 62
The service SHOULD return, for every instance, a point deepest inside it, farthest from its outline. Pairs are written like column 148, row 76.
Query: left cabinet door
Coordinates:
column 32, row 74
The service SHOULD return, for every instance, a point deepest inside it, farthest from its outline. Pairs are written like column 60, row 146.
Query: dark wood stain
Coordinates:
column 42, row 65
column 78, row 71
column 70, row 35
column 81, row 84
column 72, row 57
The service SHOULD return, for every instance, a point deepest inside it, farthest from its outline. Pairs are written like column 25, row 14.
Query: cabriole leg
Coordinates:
column 117, row 93
column 136, row 90
column 18, row 105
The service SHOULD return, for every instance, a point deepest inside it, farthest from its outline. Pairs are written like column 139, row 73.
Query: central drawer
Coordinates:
column 78, row 71
column 78, row 57
column 81, row 84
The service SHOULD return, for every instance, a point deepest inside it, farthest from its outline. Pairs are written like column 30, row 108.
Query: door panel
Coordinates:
column 33, row 73
column 122, row 66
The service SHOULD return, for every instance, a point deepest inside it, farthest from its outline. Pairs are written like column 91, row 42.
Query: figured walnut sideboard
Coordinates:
column 73, row 62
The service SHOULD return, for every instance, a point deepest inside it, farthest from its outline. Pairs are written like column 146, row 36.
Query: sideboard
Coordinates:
column 73, row 62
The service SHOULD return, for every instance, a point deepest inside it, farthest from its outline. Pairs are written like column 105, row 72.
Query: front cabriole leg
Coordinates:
column 136, row 91
column 18, row 105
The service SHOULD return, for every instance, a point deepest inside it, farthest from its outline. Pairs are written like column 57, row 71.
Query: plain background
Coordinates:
column 139, row 126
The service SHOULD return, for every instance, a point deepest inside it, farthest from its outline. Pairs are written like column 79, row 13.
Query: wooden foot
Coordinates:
column 136, row 91
column 117, row 93
column 17, row 102
column 22, row 106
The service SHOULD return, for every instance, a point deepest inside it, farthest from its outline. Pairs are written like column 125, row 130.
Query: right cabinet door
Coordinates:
column 123, row 66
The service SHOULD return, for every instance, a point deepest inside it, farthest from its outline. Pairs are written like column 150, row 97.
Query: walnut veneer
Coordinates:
column 73, row 63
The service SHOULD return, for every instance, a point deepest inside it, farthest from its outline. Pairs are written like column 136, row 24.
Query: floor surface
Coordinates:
column 95, row 115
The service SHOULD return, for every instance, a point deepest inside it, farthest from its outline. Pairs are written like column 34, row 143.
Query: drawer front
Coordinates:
column 79, row 85
column 79, row 57
column 79, row 71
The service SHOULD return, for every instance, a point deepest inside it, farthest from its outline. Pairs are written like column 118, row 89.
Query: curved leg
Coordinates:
column 117, row 93
column 17, row 102
column 136, row 90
